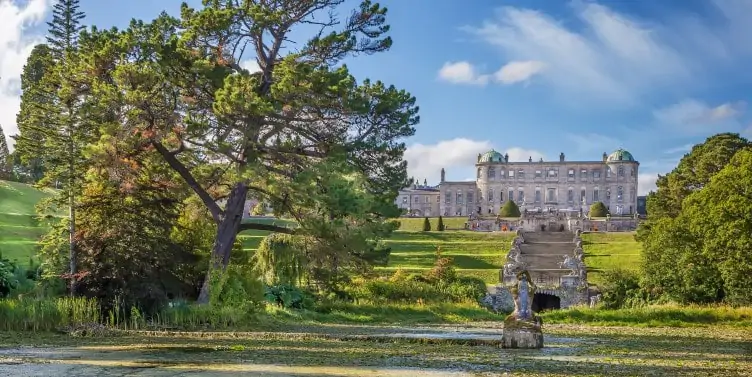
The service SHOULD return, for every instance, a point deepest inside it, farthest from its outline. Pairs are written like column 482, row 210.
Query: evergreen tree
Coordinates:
column 65, row 27
column 598, row 209
column 291, row 135
column 426, row 225
column 510, row 209
column 440, row 226
column 6, row 162
column 51, row 122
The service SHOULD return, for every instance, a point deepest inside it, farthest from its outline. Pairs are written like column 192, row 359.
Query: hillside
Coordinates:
column 19, row 229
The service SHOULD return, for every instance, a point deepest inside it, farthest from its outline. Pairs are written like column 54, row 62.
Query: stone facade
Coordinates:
column 419, row 201
column 535, row 185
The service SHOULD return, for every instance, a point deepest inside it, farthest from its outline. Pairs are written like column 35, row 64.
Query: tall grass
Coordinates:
column 47, row 314
column 668, row 315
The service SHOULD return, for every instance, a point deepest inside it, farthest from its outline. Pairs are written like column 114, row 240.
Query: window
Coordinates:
column 631, row 194
column 621, row 171
column 459, row 197
column 619, row 193
column 404, row 199
column 631, row 172
column 570, row 173
column 537, row 195
column 570, row 195
column 510, row 194
column 470, row 198
column 501, row 195
column 608, row 194
column 582, row 194
column 521, row 195
column 426, row 199
column 490, row 195
column 417, row 199
column 521, row 174
column 448, row 197
column 538, row 174
column 596, row 194
column 501, row 173
column 596, row 174
column 491, row 172
column 479, row 171
column 438, row 198
column 608, row 172
column 551, row 195
column 553, row 172
column 583, row 174
column 511, row 174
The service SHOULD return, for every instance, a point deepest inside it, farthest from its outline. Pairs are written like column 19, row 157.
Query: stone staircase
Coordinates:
column 542, row 252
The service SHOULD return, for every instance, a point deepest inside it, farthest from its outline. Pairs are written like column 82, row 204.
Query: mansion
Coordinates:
column 533, row 185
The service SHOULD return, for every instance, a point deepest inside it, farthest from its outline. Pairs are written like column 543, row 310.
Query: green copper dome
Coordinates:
column 620, row 155
column 491, row 156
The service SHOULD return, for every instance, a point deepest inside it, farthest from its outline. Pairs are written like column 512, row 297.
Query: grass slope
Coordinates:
column 19, row 229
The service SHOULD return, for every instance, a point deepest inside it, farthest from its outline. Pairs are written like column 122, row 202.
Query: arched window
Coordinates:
column 596, row 194
column 479, row 171
column 582, row 193
column 619, row 193
column 570, row 194
column 490, row 195
column 510, row 193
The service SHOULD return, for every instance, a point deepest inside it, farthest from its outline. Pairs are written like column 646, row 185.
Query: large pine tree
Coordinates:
column 50, row 119
column 65, row 27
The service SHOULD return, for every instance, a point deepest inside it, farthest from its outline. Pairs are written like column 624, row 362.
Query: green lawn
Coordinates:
column 604, row 251
column 19, row 228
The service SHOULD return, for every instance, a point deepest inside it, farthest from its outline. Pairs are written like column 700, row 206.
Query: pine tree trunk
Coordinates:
column 72, row 215
column 227, row 233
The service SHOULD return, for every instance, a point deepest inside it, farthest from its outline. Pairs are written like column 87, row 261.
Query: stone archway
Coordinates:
column 545, row 301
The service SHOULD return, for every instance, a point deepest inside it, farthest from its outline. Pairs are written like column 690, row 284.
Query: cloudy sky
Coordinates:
column 530, row 77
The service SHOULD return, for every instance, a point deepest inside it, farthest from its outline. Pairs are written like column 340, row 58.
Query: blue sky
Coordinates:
column 531, row 77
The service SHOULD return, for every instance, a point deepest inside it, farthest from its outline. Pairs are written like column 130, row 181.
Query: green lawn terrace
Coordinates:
column 476, row 254
column 20, row 227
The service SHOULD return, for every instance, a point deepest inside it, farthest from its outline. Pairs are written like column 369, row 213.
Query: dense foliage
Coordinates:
column 510, row 209
column 697, row 240
column 598, row 209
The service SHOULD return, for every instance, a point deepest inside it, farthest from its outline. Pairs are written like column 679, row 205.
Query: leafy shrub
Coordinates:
column 259, row 209
column 510, row 209
column 8, row 278
column 289, row 297
column 598, row 209
column 621, row 289
column 442, row 271
column 467, row 288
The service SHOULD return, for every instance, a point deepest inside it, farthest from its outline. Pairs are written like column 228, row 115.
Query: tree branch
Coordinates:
column 266, row 227
column 178, row 166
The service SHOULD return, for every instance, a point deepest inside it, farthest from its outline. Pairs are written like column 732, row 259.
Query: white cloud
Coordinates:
column 610, row 56
column 251, row 65
column 646, row 183
column 691, row 111
column 457, row 156
column 462, row 73
column 513, row 72
column 16, row 42
column 518, row 71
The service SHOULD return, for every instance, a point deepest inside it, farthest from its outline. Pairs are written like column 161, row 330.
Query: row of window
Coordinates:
column 427, row 199
column 551, row 195
column 552, row 173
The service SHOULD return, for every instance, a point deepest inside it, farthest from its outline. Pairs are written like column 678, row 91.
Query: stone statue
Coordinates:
column 522, row 328
column 523, row 300
column 578, row 243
